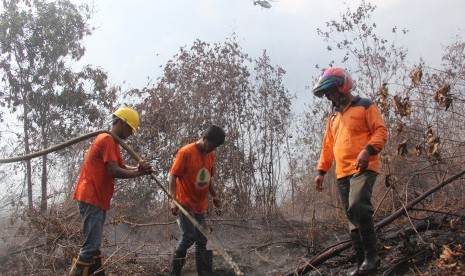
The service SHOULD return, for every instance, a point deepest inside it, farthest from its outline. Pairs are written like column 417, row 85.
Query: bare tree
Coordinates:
column 208, row 84
column 271, row 107
column 38, row 39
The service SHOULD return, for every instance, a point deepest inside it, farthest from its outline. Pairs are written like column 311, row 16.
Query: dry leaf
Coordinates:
column 403, row 107
column 400, row 127
column 443, row 97
column 433, row 142
column 416, row 75
column 402, row 148
column 382, row 99
column 418, row 149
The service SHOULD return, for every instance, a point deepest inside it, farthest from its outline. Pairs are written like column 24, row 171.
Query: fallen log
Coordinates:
column 340, row 247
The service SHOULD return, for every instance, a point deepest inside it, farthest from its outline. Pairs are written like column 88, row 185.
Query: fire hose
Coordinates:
column 136, row 157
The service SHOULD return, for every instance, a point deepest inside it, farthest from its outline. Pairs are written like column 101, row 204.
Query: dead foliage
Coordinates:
column 402, row 106
column 383, row 99
column 44, row 241
column 416, row 76
column 443, row 96
column 452, row 260
column 418, row 149
column 402, row 148
column 399, row 127
column 433, row 142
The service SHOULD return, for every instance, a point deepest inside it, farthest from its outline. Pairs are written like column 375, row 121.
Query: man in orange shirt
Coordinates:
column 354, row 136
column 94, row 190
column 190, row 181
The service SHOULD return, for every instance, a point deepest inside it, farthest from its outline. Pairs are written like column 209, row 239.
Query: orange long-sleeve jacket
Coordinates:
column 360, row 126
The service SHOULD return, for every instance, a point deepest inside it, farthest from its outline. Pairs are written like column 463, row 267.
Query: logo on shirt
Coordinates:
column 203, row 179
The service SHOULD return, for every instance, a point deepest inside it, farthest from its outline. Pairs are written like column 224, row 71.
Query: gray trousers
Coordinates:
column 93, row 219
column 355, row 192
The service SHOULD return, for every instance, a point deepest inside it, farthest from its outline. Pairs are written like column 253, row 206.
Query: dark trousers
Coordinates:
column 190, row 234
column 355, row 192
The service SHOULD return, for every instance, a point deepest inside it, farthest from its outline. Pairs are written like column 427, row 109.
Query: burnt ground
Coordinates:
column 436, row 250
column 257, row 248
column 437, row 247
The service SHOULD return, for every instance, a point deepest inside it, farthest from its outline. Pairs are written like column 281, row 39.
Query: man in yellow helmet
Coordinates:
column 103, row 163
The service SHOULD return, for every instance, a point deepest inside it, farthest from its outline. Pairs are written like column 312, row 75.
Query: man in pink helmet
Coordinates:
column 355, row 134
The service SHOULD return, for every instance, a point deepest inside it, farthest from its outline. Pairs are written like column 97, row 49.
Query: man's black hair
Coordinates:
column 215, row 134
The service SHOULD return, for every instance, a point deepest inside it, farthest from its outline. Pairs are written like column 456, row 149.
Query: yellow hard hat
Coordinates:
column 129, row 115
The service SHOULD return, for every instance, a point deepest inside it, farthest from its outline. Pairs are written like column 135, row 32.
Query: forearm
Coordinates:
column 130, row 168
column 172, row 185
column 211, row 189
column 124, row 173
column 172, row 193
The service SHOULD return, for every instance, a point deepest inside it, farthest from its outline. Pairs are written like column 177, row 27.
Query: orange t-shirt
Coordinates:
column 193, row 171
column 95, row 185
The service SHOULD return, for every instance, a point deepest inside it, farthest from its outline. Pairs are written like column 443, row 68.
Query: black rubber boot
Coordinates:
column 203, row 262
column 358, row 248
column 80, row 267
column 96, row 268
column 371, row 262
column 177, row 263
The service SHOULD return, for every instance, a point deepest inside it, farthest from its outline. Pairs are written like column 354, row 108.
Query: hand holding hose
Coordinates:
column 174, row 208
column 145, row 167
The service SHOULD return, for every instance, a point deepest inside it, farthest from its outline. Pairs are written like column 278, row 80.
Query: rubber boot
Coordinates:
column 371, row 262
column 203, row 262
column 96, row 268
column 80, row 267
column 358, row 248
column 177, row 263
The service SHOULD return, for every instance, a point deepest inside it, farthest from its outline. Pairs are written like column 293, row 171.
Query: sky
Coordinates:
column 134, row 37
